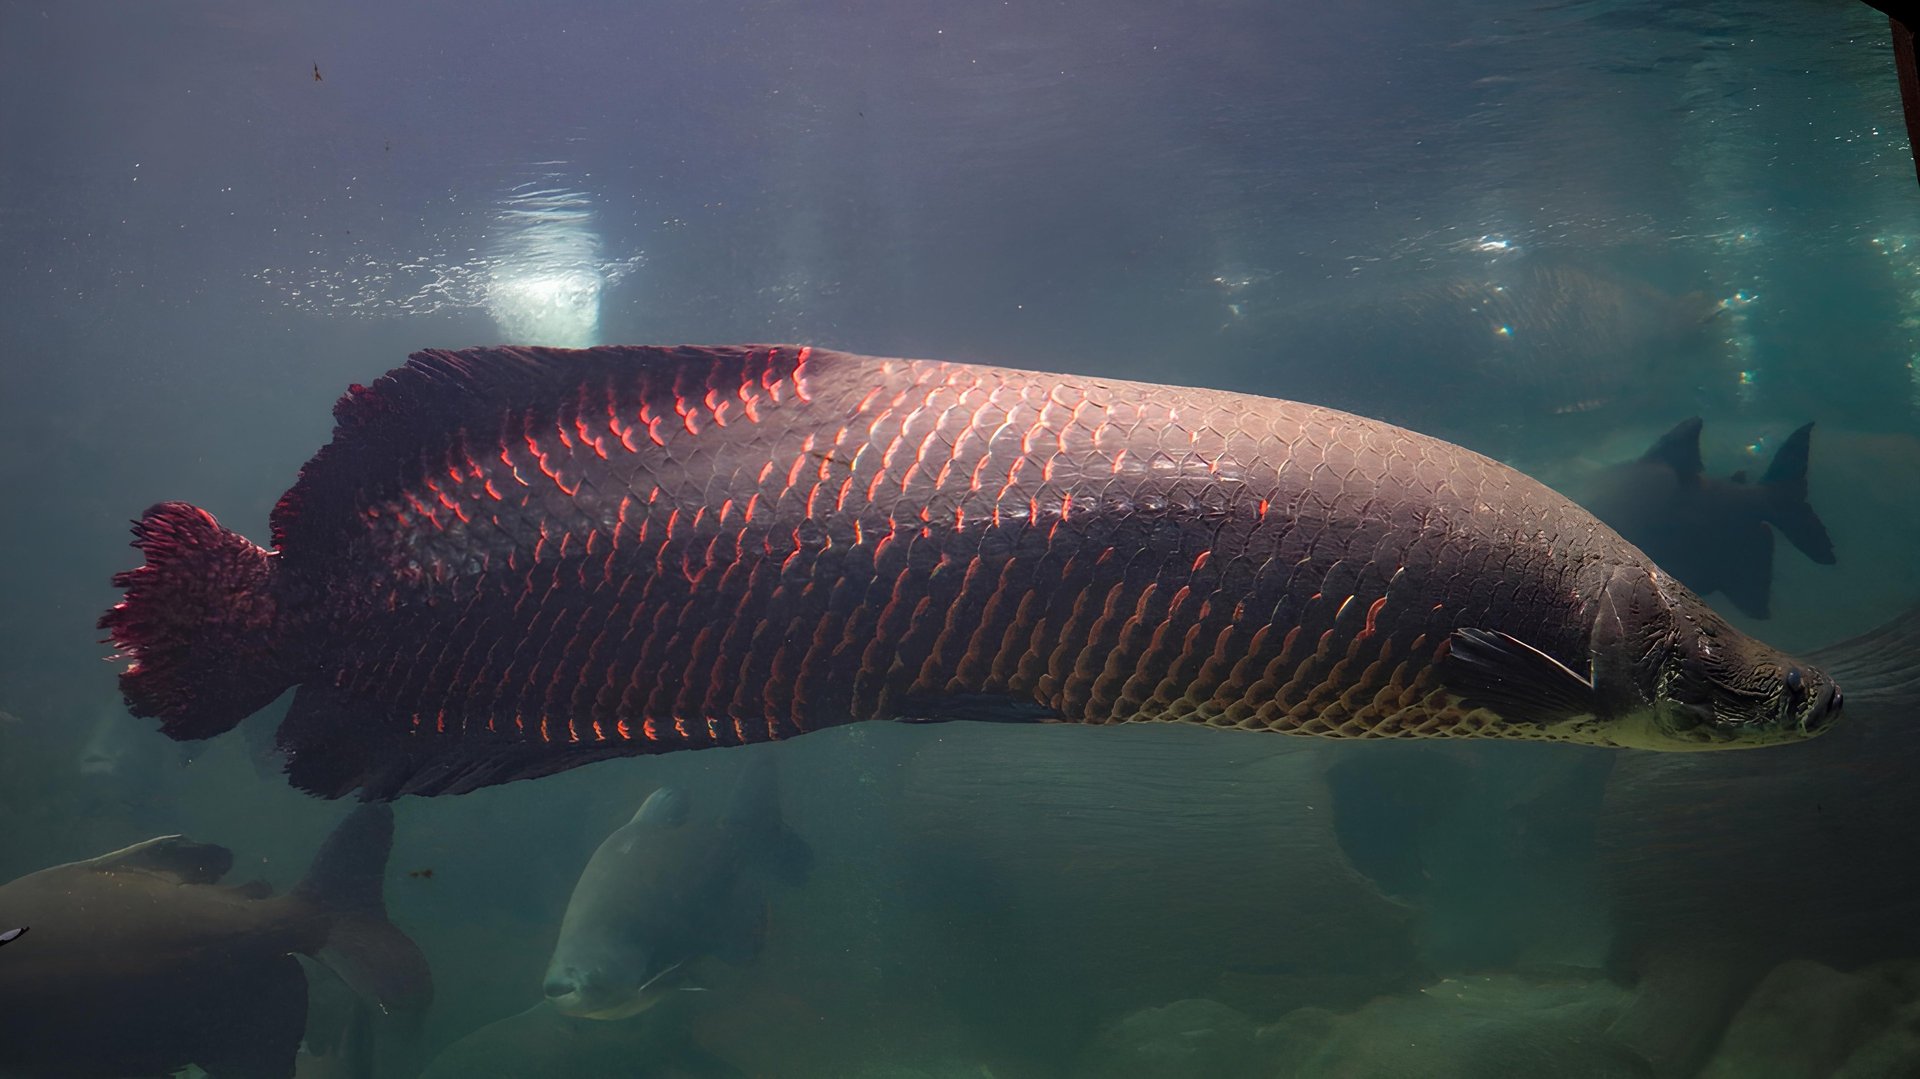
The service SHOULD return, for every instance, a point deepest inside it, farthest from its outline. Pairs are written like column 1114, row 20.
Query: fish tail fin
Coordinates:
column 345, row 886
column 200, row 623
column 755, row 809
column 1787, row 507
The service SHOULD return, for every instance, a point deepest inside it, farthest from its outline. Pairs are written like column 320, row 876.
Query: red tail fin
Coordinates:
column 199, row 622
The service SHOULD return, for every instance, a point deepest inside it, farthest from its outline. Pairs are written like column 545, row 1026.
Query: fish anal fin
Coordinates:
column 1498, row 671
column 1678, row 449
column 173, row 857
column 336, row 743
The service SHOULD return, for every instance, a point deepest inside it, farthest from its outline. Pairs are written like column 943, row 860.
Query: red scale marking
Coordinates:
column 625, row 732
column 800, row 376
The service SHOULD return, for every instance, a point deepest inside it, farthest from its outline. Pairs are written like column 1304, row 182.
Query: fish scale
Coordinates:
column 1040, row 421
column 512, row 561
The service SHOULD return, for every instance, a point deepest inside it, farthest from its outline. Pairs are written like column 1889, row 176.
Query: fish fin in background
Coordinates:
column 335, row 742
column 972, row 707
column 200, row 622
column 172, row 857
column 345, row 885
column 1745, row 571
column 254, row 889
column 1787, row 508
column 1494, row 670
column 664, row 808
column 1880, row 666
column 1679, row 449
column 755, row 811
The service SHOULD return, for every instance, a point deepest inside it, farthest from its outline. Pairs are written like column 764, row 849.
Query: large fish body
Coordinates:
column 140, row 962
column 670, row 887
column 510, row 562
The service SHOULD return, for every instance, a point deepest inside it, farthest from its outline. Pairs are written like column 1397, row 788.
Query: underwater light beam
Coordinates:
column 545, row 271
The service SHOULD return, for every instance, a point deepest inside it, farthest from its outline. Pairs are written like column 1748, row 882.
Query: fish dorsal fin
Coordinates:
column 1678, row 449
column 664, row 808
column 450, row 408
column 169, row 856
column 1789, row 467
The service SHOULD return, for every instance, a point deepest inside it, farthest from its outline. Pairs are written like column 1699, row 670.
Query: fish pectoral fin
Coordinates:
column 973, row 707
column 1498, row 671
column 172, row 857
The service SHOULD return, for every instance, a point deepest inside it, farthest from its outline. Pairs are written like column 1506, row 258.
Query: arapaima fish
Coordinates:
column 509, row 562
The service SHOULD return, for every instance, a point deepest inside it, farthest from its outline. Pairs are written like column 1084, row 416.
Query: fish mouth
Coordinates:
column 589, row 1002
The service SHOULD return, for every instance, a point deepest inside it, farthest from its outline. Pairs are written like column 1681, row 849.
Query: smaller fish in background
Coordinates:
column 141, row 961
column 671, row 887
column 1714, row 535
column 12, row 935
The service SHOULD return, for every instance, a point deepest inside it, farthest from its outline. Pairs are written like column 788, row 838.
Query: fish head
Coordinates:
column 633, row 919
column 1682, row 677
column 612, row 979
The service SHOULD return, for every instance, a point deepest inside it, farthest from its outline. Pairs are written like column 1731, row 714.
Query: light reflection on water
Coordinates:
column 535, row 262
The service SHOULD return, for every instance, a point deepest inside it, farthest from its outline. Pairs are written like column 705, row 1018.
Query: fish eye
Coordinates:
column 1796, row 685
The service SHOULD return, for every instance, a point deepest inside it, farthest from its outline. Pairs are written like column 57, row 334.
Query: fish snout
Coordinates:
column 569, row 982
column 1823, row 710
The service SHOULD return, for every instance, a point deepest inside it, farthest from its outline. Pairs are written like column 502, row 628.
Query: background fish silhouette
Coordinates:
column 1715, row 535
